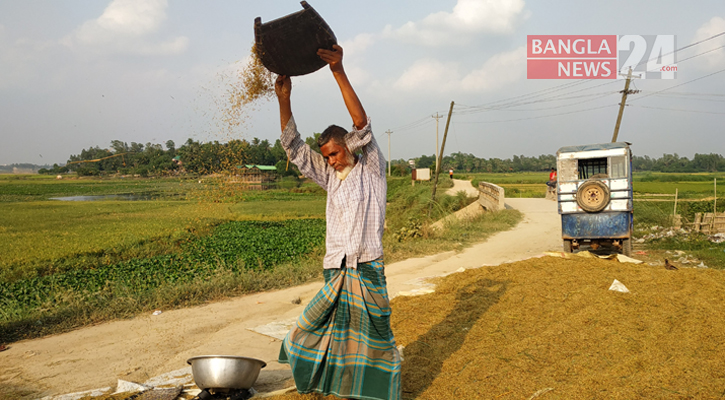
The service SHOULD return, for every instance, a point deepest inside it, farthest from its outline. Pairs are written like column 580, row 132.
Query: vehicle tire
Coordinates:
column 592, row 196
column 567, row 246
column 627, row 247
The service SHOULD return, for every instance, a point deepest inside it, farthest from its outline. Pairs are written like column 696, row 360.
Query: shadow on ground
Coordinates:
column 423, row 358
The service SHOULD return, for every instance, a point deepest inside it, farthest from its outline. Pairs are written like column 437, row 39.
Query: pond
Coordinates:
column 123, row 197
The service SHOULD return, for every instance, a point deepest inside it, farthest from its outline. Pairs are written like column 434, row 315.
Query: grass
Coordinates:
column 677, row 177
column 456, row 236
column 519, row 184
column 526, row 178
column 696, row 194
column 279, row 209
column 41, row 237
column 697, row 245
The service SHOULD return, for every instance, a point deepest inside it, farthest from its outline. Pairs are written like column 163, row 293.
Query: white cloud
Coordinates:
column 358, row 44
column 125, row 27
column 436, row 76
column 429, row 75
column 498, row 71
column 715, row 59
column 468, row 17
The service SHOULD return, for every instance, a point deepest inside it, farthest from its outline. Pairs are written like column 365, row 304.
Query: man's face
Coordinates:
column 337, row 156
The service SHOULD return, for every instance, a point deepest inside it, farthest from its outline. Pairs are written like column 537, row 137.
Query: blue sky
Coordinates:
column 80, row 73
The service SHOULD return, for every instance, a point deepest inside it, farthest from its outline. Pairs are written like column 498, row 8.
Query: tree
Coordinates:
column 425, row 161
column 312, row 142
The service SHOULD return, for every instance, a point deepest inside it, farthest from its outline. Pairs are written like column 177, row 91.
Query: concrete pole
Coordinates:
column 438, row 166
column 625, row 92
column 389, row 132
column 437, row 154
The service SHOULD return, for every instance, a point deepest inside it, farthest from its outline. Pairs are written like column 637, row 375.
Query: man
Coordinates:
column 342, row 343
column 552, row 179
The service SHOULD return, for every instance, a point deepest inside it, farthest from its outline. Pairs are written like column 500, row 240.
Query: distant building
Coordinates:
column 256, row 176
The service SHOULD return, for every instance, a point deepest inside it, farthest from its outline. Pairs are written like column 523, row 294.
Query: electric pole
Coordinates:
column 624, row 92
column 439, row 160
column 389, row 132
column 437, row 118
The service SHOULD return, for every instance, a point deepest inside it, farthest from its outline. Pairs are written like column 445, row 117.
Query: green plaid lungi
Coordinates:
column 342, row 343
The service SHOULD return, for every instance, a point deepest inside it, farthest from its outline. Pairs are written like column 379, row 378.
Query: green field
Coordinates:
column 183, row 241
column 689, row 186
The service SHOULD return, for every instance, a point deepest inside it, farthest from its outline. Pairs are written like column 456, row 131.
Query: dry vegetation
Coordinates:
column 551, row 326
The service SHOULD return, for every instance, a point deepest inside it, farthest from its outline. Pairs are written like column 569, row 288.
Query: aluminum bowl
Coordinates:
column 225, row 372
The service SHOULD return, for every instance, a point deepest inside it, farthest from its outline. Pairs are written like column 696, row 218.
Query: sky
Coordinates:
column 76, row 74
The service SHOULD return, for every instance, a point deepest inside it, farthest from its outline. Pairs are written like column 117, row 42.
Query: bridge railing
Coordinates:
column 491, row 197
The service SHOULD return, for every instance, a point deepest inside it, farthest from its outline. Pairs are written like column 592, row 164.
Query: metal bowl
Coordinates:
column 225, row 372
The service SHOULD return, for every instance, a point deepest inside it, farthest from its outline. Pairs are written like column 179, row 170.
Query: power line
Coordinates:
column 682, row 48
column 415, row 124
column 538, row 117
column 701, row 54
column 683, row 97
column 681, row 110
column 681, row 84
column 557, row 98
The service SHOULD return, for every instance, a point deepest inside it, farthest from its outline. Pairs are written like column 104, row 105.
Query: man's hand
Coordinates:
column 283, row 87
column 332, row 57
column 354, row 107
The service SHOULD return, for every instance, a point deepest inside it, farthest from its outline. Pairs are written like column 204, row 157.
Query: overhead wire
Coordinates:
column 540, row 116
column 683, row 48
column 498, row 105
column 680, row 110
column 681, row 84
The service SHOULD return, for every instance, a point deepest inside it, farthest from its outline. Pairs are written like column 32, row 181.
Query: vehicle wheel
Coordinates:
column 627, row 247
column 567, row 246
column 592, row 196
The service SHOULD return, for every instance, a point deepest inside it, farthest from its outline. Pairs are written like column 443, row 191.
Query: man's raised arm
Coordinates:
column 283, row 89
column 352, row 102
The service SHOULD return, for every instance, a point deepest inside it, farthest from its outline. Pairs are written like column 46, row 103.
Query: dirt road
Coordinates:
column 148, row 346
column 460, row 185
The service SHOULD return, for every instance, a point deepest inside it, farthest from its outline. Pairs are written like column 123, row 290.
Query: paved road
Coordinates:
column 148, row 346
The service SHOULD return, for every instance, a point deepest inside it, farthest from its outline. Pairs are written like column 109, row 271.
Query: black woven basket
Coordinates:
column 288, row 45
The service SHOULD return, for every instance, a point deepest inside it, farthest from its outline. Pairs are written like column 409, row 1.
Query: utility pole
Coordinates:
column 624, row 92
column 437, row 118
column 389, row 132
column 440, row 159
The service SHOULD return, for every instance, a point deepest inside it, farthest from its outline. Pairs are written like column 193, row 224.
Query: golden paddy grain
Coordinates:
column 550, row 327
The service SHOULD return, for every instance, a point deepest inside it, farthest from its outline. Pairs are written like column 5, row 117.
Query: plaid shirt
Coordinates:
column 355, row 206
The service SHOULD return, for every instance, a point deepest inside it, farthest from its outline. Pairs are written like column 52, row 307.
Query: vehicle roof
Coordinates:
column 590, row 147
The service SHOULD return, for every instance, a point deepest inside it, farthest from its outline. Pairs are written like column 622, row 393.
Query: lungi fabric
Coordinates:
column 342, row 343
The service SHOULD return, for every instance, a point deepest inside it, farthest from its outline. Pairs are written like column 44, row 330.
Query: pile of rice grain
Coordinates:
column 551, row 326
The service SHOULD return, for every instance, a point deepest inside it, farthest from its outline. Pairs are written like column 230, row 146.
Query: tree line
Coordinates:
column 203, row 158
column 462, row 162
column 193, row 157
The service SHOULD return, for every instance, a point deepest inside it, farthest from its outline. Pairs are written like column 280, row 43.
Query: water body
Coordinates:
column 123, row 197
